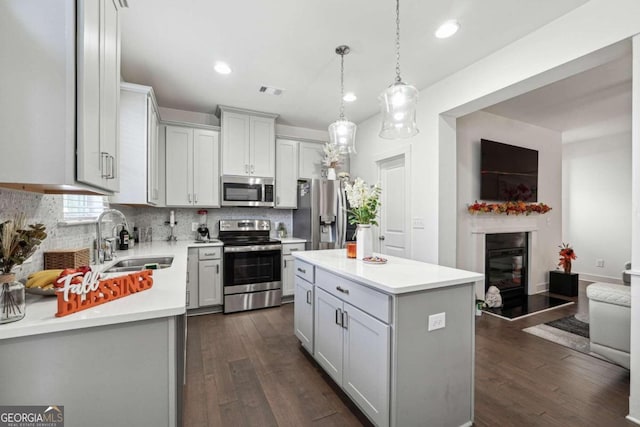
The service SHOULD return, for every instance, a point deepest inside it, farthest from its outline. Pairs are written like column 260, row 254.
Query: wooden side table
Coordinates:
column 563, row 283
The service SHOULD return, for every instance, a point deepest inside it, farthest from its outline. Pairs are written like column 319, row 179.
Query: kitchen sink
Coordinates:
column 137, row 264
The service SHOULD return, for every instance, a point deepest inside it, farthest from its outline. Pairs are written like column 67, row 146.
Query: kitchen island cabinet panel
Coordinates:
column 328, row 333
column 303, row 313
column 371, row 335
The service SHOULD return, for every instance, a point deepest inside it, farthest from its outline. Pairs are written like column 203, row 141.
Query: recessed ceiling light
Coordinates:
column 222, row 67
column 447, row 29
column 349, row 97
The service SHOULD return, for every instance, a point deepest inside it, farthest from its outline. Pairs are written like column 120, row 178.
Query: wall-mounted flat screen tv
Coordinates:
column 508, row 173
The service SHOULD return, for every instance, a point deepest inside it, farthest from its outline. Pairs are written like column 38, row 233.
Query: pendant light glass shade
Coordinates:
column 398, row 102
column 342, row 132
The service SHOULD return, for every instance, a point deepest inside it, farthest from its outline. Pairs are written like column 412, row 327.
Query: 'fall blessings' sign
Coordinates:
column 74, row 297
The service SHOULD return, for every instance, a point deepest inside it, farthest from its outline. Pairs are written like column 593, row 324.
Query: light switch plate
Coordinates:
column 194, row 226
column 418, row 223
column 437, row 321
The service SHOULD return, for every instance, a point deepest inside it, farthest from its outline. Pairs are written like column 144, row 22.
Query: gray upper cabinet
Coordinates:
column 248, row 142
column 49, row 112
column 139, row 147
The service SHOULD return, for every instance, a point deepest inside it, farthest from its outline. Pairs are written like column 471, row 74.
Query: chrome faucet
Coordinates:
column 100, row 253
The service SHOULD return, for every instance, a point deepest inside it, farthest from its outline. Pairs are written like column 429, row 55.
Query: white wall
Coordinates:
column 555, row 51
column 470, row 129
column 171, row 114
column 596, row 192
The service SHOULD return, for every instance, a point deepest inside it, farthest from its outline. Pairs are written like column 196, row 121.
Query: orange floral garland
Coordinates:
column 509, row 208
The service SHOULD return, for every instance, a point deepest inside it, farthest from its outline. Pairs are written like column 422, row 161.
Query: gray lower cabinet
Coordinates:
column 204, row 277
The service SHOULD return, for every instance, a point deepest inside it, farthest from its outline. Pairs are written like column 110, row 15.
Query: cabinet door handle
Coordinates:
column 309, row 297
column 246, row 168
column 217, row 268
column 343, row 290
column 293, row 249
column 112, row 174
column 104, row 163
column 195, row 197
column 301, row 270
column 189, row 196
column 188, row 296
column 338, row 317
column 252, row 169
column 345, row 320
column 277, row 200
column 285, row 263
column 187, row 278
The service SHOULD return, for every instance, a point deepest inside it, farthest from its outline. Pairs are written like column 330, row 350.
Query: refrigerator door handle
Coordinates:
column 342, row 217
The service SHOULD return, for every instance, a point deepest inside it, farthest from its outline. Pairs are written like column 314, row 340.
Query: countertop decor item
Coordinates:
column 374, row 260
column 364, row 201
column 508, row 208
column 567, row 255
column 17, row 243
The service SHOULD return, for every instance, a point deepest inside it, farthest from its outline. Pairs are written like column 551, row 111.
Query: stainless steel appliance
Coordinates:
column 252, row 275
column 321, row 217
column 247, row 191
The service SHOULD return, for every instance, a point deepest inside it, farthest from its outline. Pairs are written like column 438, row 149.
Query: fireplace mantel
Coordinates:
column 489, row 224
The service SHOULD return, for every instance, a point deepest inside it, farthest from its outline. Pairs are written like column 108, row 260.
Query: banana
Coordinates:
column 40, row 280
column 41, row 272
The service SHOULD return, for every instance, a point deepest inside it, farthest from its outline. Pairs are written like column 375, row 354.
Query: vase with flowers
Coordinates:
column 332, row 159
column 365, row 202
column 17, row 243
column 566, row 256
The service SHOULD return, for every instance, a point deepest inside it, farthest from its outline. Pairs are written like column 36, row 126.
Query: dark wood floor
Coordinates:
column 247, row 369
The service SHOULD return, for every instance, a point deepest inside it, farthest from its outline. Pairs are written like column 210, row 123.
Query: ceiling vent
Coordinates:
column 269, row 90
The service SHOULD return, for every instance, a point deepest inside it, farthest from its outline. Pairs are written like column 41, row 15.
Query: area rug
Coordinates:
column 568, row 332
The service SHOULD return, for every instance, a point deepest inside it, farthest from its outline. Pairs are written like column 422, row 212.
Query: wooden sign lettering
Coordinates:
column 92, row 292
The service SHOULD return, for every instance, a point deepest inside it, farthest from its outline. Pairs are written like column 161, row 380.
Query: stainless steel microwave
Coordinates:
column 247, row 191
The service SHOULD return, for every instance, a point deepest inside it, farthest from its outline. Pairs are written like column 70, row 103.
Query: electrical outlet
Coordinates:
column 418, row 223
column 437, row 321
column 600, row 262
column 194, row 226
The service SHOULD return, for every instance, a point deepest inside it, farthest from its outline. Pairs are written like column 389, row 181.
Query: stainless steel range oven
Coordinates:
column 252, row 276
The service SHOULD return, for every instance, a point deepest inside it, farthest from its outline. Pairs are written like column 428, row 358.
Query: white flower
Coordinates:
column 332, row 156
column 363, row 200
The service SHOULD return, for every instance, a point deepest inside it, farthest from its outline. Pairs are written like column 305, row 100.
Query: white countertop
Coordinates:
column 165, row 298
column 397, row 276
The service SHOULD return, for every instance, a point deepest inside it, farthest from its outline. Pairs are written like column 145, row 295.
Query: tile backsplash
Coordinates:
column 47, row 209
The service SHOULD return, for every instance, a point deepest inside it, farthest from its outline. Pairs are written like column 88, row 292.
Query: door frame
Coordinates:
column 404, row 152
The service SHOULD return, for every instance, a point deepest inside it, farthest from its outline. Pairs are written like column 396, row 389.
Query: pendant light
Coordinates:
column 342, row 132
column 398, row 101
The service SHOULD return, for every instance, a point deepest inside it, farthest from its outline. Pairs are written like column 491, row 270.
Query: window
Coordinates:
column 78, row 207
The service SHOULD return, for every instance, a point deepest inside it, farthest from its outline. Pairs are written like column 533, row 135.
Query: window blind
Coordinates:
column 77, row 207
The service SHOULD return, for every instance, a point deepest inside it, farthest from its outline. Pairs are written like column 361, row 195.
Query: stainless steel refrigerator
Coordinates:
column 321, row 217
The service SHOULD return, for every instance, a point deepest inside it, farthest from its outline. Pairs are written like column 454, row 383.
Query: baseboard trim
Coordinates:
column 633, row 419
column 596, row 278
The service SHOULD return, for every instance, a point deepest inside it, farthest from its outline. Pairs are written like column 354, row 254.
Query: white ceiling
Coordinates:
column 172, row 46
column 590, row 104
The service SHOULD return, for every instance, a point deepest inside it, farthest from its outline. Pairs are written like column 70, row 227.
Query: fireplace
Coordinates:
column 506, row 265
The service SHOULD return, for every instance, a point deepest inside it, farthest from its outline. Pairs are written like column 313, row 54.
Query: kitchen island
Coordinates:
column 119, row 363
column 398, row 337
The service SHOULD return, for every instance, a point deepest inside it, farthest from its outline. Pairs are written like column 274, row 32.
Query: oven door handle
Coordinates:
column 252, row 248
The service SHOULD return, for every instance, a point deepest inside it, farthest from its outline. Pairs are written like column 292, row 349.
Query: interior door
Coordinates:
column 393, row 210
